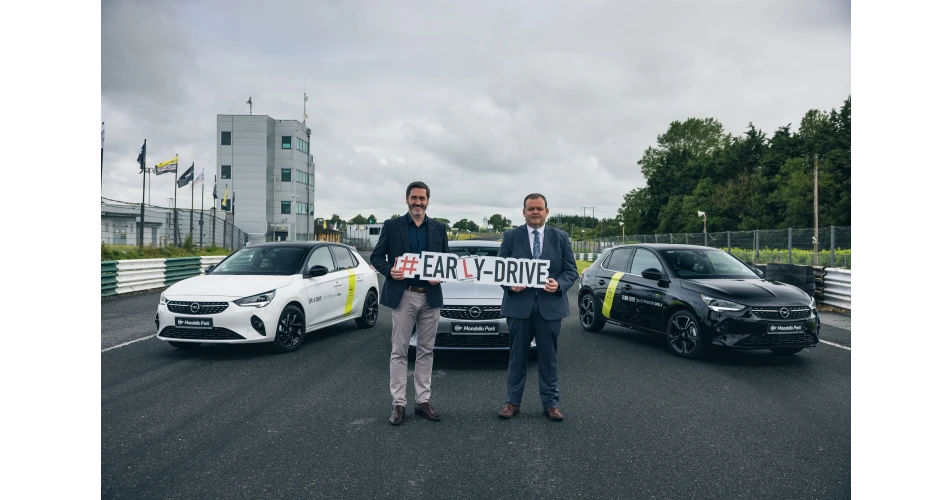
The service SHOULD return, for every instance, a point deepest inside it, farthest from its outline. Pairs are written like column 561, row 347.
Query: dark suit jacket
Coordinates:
column 557, row 249
column 394, row 242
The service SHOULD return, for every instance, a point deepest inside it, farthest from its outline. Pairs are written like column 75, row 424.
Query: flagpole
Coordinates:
column 175, row 203
column 142, row 205
column 192, row 208
column 214, row 203
column 102, row 152
column 201, row 215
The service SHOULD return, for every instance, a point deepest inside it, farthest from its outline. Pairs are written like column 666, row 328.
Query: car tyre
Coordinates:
column 290, row 330
column 589, row 315
column 685, row 336
column 185, row 345
column 786, row 351
column 371, row 310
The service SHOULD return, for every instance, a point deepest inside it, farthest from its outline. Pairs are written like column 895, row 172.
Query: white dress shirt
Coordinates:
column 532, row 238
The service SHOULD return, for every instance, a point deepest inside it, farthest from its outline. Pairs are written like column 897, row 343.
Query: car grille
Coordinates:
column 766, row 341
column 449, row 340
column 216, row 333
column 203, row 307
column 774, row 312
column 463, row 312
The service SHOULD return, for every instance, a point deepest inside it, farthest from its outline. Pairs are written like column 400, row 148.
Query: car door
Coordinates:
column 323, row 292
column 646, row 298
column 353, row 286
column 608, row 281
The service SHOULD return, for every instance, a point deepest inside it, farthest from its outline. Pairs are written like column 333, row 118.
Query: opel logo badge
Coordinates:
column 784, row 312
column 475, row 312
column 194, row 307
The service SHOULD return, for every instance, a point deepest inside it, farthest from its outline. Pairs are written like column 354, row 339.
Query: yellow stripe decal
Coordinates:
column 610, row 294
column 351, row 288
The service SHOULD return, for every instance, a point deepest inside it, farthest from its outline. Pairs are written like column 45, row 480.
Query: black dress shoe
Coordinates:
column 426, row 411
column 396, row 418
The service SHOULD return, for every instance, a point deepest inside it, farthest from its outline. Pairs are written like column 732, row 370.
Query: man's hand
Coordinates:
column 434, row 282
column 517, row 288
column 396, row 274
column 551, row 285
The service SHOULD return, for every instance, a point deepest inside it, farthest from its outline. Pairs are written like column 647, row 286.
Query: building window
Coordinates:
column 226, row 138
column 226, row 171
column 302, row 146
column 285, row 207
column 375, row 231
column 285, row 175
column 285, row 142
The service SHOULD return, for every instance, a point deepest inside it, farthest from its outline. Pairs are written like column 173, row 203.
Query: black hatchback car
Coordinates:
column 697, row 296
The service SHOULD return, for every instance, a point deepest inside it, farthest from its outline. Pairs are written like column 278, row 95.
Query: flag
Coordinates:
column 166, row 166
column 187, row 176
column 325, row 224
column 200, row 179
column 232, row 202
column 141, row 158
column 103, row 135
column 224, row 201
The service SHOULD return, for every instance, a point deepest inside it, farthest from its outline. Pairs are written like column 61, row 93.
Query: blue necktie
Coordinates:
column 536, row 251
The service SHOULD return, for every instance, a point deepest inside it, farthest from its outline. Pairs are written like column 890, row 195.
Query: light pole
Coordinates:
column 294, row 198
column 622, row 224
column 704, row 214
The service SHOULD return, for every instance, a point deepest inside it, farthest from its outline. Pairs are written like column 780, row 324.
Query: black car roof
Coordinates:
column 295, row 244
column 665, row 246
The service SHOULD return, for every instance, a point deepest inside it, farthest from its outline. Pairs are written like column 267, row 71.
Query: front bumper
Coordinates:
column 767, row 330
column 232, row 325
column 458, row 329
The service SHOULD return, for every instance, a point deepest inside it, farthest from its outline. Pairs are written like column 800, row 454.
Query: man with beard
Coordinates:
column 414, row 301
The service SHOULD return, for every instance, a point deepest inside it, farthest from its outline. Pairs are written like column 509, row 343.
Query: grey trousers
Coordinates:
column 412, row 309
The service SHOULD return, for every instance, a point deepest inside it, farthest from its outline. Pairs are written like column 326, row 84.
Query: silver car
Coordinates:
column 469, row 318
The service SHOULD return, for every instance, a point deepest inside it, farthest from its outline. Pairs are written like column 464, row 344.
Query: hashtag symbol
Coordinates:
column 409, row 265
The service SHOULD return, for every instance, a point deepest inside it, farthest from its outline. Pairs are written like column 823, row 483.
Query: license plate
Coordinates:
column 474, row 329
column 786, row 328
column 198, row 323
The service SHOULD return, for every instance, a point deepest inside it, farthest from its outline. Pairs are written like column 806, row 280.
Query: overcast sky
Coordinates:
column 484, row 101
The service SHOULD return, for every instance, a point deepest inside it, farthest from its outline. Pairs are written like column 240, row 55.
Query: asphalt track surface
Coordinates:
column 239, row 422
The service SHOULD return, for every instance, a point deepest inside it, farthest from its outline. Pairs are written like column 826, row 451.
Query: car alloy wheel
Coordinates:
column 371, row 310
column 290, row 330
column 684, row 335
column 588, row 315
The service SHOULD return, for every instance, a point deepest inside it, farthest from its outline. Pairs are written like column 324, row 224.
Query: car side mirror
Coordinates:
column 652, row 274
column 315, row 271
column 759, row 272
column 209, row 268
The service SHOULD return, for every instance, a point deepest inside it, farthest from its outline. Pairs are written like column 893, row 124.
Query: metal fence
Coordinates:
column 167, row 226
column 781, row 246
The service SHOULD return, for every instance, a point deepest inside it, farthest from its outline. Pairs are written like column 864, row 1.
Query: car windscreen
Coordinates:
column 706, row 264
column 283, row 261
column 482, row 251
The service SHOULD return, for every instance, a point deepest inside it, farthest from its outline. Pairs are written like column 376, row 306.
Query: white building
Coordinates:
column 267, row 163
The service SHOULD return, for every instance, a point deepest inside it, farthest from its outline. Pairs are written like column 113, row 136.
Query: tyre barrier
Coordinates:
column 133, row 275
column 588, row 257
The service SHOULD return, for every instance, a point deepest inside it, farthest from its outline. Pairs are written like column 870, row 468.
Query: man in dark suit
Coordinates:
column 414, row 301
column 533, row 312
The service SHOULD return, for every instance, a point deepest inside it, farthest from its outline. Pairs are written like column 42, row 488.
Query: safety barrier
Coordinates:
column 587, row 257
column 837, row 287
column 134, row 275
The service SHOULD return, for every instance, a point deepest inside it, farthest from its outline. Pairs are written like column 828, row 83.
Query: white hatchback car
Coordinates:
column 272, row 292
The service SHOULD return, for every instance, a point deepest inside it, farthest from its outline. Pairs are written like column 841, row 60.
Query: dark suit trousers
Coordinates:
column 546, row 334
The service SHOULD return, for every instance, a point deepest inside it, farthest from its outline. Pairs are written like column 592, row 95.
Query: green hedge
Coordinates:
column 123, row 252
column 800, row 257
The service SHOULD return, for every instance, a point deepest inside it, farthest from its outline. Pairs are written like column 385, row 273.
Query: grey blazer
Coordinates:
column 395, row 241
column 557, row 249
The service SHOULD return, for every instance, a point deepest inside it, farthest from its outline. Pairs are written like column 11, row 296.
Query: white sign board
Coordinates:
column 507, row 271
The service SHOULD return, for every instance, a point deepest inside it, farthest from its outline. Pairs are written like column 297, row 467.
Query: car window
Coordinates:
column 344, row 260
column 262, row 260
column 353, row 257
column 618, row 260
column 706, row 264
column 644, row 259
column 483, row 251
column 321, row 257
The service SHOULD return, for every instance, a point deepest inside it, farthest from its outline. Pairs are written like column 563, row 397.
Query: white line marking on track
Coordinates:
column 125, row 344
column 836, row 345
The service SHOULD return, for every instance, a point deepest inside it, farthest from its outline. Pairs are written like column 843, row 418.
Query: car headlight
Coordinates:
column 721, row 305
column 812, row 302
column 257, row 300
column 163, row 300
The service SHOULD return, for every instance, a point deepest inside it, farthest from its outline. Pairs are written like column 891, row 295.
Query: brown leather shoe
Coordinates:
column 553, row 414
column 396, row 418
column 426, row 411
column 509, row 411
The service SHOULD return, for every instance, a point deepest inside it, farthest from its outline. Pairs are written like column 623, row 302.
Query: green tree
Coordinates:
column 499, row 223
column 359, row 219
column 394, row 216
column 444, row 221
column 372, row 219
